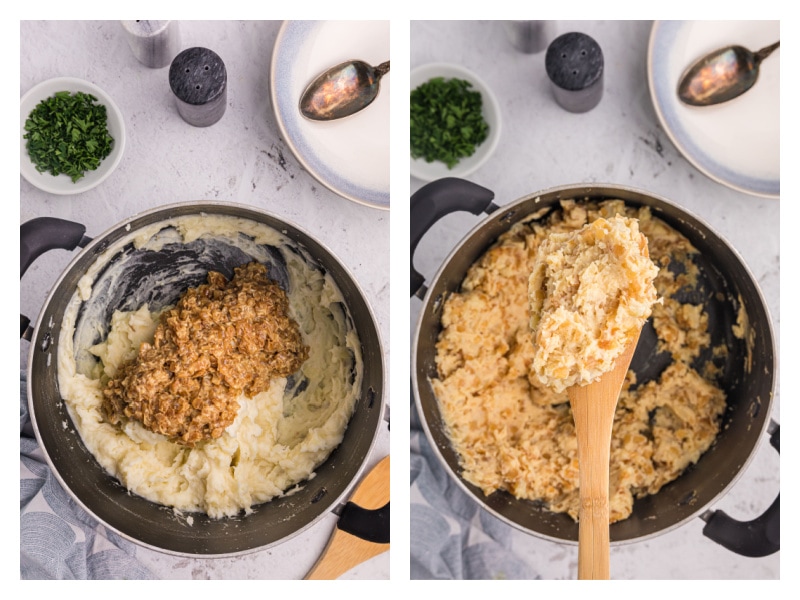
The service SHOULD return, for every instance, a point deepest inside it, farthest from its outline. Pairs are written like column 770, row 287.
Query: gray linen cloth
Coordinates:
column 58, row 539
column 452, row 536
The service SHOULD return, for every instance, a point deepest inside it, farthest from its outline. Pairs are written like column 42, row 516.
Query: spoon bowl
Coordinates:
column 593, row 407
column 342, row 90
column 722, row 75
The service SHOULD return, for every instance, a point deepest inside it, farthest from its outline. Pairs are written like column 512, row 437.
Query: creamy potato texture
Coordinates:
column 512, row 432
column 590, row 292
column 278, row 438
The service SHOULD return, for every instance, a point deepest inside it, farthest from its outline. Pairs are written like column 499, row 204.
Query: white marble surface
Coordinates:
column 241, row 159
column 619, row 141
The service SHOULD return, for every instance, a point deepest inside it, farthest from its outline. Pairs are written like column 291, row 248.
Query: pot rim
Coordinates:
column 166, row 211
column 508, row 212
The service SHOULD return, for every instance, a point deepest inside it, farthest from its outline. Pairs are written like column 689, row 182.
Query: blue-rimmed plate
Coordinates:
column 736, row 143
column 349, row 156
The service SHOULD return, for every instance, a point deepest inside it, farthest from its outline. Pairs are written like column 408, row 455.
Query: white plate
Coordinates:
column 62, row 184
column 349, row 156
column 736, row 143
column 429, row 171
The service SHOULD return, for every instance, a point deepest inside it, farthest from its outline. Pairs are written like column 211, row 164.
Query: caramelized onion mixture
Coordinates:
column 222, row 339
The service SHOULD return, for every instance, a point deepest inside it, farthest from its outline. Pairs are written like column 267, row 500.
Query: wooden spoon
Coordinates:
column 593, row 408
column 345, row 550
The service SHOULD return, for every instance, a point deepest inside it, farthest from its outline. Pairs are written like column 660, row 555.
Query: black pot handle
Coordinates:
column 42, row 234
column 371, row 525
column 436, row 199
column 759, row 537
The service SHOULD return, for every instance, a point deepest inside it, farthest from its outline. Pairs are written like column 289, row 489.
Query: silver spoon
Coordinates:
column 342, row 90
column 722, row 75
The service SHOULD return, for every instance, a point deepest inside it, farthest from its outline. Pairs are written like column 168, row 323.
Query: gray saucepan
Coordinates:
column 131, row 516
column 748, row 372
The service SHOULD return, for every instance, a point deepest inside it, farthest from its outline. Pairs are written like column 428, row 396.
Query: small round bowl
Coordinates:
column 62, row 184
column 429, row 171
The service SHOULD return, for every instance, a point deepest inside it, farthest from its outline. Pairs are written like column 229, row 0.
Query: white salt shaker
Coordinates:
column 153, row 43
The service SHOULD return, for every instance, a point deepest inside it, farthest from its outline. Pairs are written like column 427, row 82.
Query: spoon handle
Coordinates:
column 593, row 423
column 593, row 408
column 381, row 69
column 766, row 51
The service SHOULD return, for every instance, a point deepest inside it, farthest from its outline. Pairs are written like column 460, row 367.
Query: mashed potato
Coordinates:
column 590, row 292
column 513, row 433
column 278, row 438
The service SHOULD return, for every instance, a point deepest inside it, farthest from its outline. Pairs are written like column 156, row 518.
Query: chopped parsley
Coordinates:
column 68, row 133
column 447, row 121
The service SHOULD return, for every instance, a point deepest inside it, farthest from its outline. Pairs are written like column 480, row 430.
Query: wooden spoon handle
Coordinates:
column 596, row 421
column 345, row 550
column 593, row 408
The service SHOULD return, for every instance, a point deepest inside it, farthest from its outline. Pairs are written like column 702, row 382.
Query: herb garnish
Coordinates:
column 68, row 133
column 447, row 121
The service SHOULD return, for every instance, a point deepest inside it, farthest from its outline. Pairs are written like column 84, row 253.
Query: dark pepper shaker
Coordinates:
column 574, row 64
column 199, row 82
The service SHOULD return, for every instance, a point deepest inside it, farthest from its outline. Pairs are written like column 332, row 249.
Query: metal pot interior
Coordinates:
column 154, row 525
column 747, row 379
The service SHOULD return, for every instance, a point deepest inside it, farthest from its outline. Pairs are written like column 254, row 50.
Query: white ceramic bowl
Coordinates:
column 62, row 184
column 429, row 171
